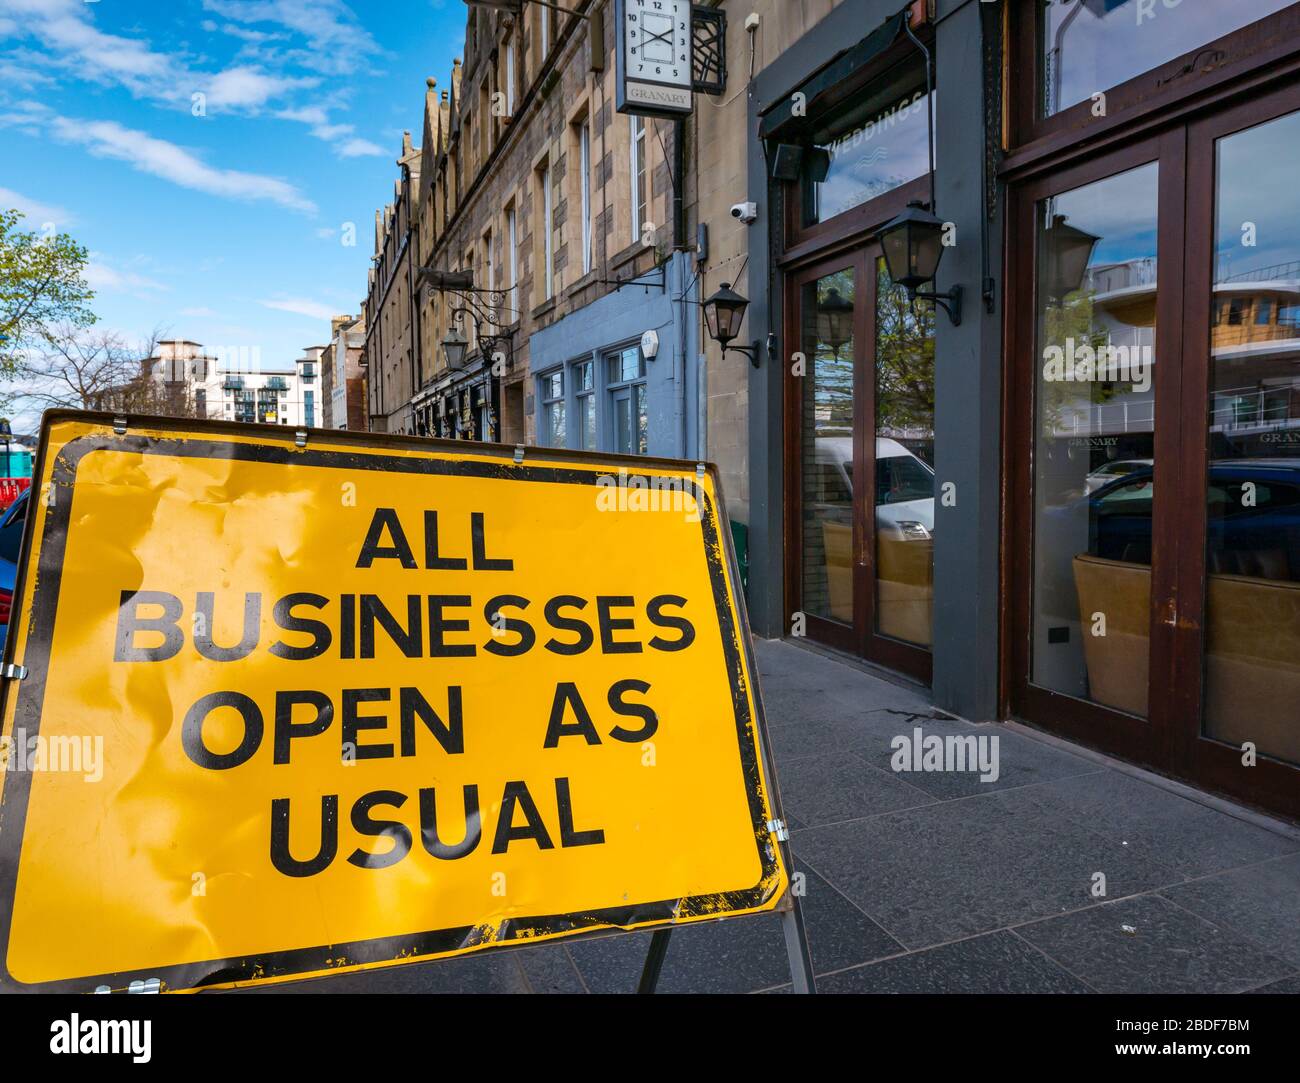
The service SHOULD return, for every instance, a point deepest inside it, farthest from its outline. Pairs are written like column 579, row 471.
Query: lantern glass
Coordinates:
column 912, row 245
column 724, row 312
column 454, row 347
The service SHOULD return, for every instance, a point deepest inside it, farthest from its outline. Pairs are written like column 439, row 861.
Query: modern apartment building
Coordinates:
column 233, row 385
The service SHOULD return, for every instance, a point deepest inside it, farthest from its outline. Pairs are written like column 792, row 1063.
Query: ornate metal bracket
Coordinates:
column 709, row 38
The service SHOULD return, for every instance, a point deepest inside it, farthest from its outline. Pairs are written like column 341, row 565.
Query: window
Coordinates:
column 309, row 408
column 490, row 276
column 877, row 143
column 510, row 77
column 625, row 378
column 552, row 396
column 585, row 399
column 639, row 184
column 201, row 401
column 1093, row 45
column 544, row 32
column 512, row 238
column 544, row 230
column 584, row 156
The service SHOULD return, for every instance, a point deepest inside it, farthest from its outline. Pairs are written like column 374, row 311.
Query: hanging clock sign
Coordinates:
column 653, row 57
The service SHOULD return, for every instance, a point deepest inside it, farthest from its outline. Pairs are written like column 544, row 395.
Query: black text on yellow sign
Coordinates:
column 367, row 704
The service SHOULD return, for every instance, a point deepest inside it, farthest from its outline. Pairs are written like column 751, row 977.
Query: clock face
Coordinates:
column 657, row 41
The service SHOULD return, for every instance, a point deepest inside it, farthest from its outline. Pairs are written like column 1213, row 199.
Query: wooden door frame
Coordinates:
column 1146, row 740
column 840, row 636
column 860, row 638
column 1207, row 759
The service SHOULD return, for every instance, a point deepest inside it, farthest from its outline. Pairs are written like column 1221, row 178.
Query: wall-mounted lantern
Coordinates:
column 454, row 348
column 723, row 314
column 912, row 245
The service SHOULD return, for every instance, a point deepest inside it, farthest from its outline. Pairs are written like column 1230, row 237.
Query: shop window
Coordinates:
column 1089, row 46
column 879, row 142
column 551, row 394
column 585, row 404
column 625, row 380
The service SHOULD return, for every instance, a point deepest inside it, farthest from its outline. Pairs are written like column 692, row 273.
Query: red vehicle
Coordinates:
column 10, row 488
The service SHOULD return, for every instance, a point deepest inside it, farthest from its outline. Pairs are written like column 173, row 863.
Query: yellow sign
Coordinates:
column 291, row 710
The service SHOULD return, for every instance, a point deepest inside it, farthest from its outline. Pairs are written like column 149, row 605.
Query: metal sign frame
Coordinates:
column 283, row 444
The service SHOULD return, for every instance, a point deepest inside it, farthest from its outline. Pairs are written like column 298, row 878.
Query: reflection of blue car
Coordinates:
column 11, row 541
column 1250, row 532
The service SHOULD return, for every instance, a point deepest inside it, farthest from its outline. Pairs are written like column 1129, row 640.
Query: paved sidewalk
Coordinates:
column 937, row 882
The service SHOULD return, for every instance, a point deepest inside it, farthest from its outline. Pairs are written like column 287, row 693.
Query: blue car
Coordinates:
column 1253, row 532
column 11, row 542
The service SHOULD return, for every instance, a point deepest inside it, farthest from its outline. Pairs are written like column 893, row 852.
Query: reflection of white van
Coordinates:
column 904, row 486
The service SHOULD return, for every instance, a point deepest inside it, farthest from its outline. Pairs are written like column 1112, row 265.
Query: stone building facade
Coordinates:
column 343, row 395
column 529, row 181
column 391, row 356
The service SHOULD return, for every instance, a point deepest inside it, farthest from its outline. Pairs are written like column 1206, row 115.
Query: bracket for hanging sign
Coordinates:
column 709, row 62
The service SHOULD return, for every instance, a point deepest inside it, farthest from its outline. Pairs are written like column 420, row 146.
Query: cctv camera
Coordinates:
column 746, row 212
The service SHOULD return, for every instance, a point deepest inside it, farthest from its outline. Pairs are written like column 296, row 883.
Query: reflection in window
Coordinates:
column 1095, row 439
column 552, row 396
column 1087, row 46
column 904, row 511
column 625, row 378
column 1252, row 605
column 585, row 397
column 876, row 145
column 826, row 335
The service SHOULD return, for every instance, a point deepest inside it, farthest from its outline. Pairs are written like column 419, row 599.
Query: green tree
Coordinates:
column 42, row 283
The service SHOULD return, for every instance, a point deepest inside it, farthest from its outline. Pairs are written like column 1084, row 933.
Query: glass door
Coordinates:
column 860, row 396
column 1240, row 628
column 1153, row 536
column 1094, row 408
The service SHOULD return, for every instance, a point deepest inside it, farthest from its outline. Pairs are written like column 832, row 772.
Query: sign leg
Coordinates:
column 654, row 960
column 796, row 946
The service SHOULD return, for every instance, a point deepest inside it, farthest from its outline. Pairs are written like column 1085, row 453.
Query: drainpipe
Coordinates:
column 679, row 259
column 410, row 296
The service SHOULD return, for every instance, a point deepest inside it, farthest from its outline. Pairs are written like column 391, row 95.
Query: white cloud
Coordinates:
column 249, row 88
column 300, row 306
column 108, row 139
column 76, row 49
column 356, row 148
column 336, row 42
column 346, row 143
column 104, row 278
column 201, row 311
column 36, row 212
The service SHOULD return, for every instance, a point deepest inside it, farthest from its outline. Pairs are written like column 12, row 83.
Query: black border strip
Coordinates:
column 415, row 947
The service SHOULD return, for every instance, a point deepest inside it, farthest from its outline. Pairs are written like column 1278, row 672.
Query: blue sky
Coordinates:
column 225, row 228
